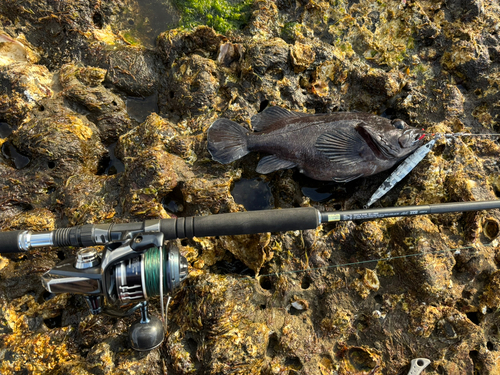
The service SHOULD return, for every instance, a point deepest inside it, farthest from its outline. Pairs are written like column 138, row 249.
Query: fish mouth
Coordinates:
column 410, row 138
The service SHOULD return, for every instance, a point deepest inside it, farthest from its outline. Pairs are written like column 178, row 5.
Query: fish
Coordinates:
column 340, row 146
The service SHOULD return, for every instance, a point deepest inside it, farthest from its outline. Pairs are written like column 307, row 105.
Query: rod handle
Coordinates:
column 9, row 242
column 280, row 220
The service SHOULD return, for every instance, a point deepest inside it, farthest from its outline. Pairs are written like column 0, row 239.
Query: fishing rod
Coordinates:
column 137, row 264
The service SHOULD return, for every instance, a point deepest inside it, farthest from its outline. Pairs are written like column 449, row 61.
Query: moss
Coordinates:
column 130, row 38
column 222, row 15
column 290, row 30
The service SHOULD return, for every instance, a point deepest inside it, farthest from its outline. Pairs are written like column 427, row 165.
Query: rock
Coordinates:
column 230, row 55
column 454, row 102
column 194, row 341
column 367, row 283
column 250, row 249
column 490, row 297
column 83, row 86
column 469, row 63
column 192, row 86
column 467, row 9
column 78, row 140
column 176, row 44
column 135, row 71
column 302, row 57
column 270, row 57
column 153, row 170
column 23, row 86
column 342, row 298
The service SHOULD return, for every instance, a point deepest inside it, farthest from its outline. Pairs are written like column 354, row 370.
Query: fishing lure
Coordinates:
column 411, row 162
column 404, row 168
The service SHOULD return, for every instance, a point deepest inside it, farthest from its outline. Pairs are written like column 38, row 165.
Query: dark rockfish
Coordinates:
column 340, row 146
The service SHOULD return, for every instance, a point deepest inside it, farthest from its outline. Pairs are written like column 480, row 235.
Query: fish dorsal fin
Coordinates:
column 261, row 121
column 342, row 145
column 272, row 163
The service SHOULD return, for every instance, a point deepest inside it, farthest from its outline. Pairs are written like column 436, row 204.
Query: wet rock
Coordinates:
column 153, row 170
column 202, row 325
column 432, row 64
column 430, row 272
column 87, row 198
column 261, row 24
column 360, row 360
column 191, row 86
column 64, row 31
column 249, row 249
column 135, row 71
column 491, row 297
column 11, row 50
column 367, row 283
column 83, row 86
column 454, row 104
column 469, row 63
column 22, row 191
column 327, row 73
column 268, row 58
column 377, row 86
column 337, row 323
column 424, row 320
column 209, row 194
column 466, row 9
column 175, row 44
column 446, row 330
column 23, row 86
column 38, row 219
column 78, row 141
column 369, row 235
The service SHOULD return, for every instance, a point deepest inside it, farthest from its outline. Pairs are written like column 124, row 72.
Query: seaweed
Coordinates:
column 222, row 15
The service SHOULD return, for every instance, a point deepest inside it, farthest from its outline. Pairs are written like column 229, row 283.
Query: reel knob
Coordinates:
column 87, row 258
column 147, row 333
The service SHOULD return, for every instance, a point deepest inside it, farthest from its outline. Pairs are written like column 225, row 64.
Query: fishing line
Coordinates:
column 352, row 264
column 453, row 135
column 362, row 262
column 153, row 273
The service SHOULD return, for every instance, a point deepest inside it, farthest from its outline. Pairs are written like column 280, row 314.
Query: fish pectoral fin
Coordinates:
column 348, row 178
column 341, row 147
column 261, row 121
column 272, row 163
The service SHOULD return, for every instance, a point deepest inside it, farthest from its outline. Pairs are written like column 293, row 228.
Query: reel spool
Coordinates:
column 122, row 280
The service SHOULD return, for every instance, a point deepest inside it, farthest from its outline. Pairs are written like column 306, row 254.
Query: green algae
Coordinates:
column 222, row 15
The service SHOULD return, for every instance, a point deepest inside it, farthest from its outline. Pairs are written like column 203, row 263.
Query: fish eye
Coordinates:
column 398, row 124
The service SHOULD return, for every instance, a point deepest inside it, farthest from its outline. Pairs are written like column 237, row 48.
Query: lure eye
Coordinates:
column 398, row 124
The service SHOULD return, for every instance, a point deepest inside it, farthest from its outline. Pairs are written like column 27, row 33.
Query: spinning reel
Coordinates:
column 122, row 280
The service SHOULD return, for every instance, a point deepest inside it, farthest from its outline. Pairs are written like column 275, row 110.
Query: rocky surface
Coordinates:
column 281, row 303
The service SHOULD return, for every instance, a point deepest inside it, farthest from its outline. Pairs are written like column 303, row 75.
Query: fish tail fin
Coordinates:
column 227, row 141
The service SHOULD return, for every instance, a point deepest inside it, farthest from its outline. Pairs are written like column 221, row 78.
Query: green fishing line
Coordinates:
column 152, row 271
